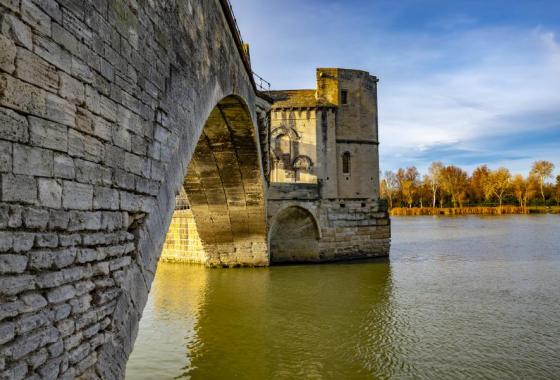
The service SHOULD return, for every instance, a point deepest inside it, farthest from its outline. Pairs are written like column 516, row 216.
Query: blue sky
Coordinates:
column 463, row 82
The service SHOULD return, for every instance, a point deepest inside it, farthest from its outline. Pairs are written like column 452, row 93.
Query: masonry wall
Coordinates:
column 101, row 105
column 182, row 243
column 347, row 229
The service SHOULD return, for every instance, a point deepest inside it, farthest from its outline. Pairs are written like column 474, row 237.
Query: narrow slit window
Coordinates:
column 346, row 163
column 344, row 97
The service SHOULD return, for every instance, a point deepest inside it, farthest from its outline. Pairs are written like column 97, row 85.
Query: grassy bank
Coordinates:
column 415, row 211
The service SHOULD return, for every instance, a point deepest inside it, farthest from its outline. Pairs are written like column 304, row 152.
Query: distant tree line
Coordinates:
column 449, row 185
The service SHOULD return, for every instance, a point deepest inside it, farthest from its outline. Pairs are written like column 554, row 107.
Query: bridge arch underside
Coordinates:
column 224, row 186
column 294, row 237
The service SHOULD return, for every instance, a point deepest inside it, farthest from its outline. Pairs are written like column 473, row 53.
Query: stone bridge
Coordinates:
column 107, row 109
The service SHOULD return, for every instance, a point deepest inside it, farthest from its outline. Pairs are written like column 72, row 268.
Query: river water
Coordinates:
column 461, row 297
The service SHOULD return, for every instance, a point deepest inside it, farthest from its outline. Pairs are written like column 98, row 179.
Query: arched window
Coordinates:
column 283, row 149
column 346, row 163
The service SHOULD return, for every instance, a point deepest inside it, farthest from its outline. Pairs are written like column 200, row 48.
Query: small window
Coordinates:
column 343, row 97
column 346, row 163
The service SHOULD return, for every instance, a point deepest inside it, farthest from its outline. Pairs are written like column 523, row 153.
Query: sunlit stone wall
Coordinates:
column 182, row 243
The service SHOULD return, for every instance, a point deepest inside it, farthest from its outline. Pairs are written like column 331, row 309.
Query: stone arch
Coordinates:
column 224, row 185
column 294, row 236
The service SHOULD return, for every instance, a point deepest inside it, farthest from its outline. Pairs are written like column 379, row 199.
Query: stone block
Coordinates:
column 70, row 240
column 105, row 198
column 86, row 255
column 6, row 241
column 12, row 263
column 36, row 359
column 50, row 193
column 47, row 134
column 81, row 70
column 15, row 29
column 84, row 120
column 102, row 128
column 123, row 179
column 12, row 285
column 81, row 305
column 14, row 126
column 23, row 241
column 111, row 221
column 32, row 302
column 32, row 161
column 77, row 196
column 12, row 5
column 121, row 138
column 64, row 38
column 88, row 172
column 46, row 240
column 84, row 146
column 134, row 202
column 71, row 89
column 52, row 52
column 61, row 294
column 114, row 157
column 55, row 279
column 63, row 166
column 35, row 218
column 22, row 96
column 7, row 332
column 61, row 311
column 66, row 327
column 19, row 188
column 5, row 156
column 8, row 56
column 59, row 110
column 80, row 221
column 58, row 219
column 31, row 322
column 136, row 164
column 34, row 69
column 35, row 17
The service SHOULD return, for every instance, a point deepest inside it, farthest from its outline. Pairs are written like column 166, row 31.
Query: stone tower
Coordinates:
column 323, row 200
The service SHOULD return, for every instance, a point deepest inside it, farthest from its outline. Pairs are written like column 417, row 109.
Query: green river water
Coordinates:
column 460, row 298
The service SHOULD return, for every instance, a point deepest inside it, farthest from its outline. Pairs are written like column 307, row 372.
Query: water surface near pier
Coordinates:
column 461, row 297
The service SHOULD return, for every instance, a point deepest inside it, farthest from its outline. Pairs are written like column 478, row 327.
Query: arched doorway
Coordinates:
column 294, row 236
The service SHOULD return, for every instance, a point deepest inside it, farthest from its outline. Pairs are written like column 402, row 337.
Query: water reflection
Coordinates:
column 461, row 298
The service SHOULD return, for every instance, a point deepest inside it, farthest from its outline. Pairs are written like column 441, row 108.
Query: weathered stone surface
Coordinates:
column 77, row 196
column 84, row 146
column 35, row 218
column 8, row 56
column 5, row 156
column 50, row 193
column 33, row 15
column 59, row 110
column 12, row 263
column 19, row 188
column 22, row 96
column 12, row 285
column 33, row 161
column 47, row 134
column 34, row 69
column 63, row 166
column 14, row 126
column 18, row 31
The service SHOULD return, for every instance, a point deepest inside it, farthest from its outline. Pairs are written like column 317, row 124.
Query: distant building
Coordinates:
column 323, row 199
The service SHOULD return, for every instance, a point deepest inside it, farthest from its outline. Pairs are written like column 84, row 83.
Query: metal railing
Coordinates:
column 262, row 84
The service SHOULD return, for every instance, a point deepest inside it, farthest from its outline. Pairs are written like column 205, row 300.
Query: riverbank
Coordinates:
column 418, row 211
